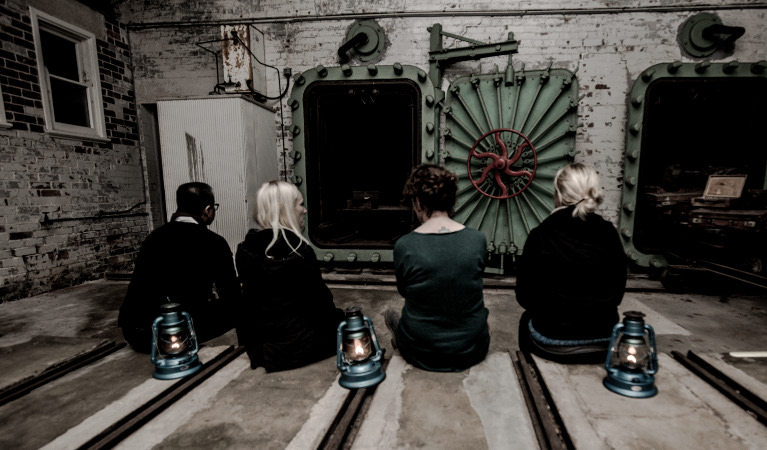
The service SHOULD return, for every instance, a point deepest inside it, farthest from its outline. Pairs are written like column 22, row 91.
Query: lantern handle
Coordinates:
column 192, row 333
column 613, row 336
column 374, row 336
column 339, row 340
column 654, row 360
column 153, row 356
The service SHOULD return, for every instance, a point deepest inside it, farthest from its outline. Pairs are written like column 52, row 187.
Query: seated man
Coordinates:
column 183, row 262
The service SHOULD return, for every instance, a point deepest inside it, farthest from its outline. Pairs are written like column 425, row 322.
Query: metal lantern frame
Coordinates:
column 632, row 383
column 359, row 374
column 168, row 366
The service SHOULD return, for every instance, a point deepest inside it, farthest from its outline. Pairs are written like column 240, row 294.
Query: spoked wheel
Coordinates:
column 509, row 163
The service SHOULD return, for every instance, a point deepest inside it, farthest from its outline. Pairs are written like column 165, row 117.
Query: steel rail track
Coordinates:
column 24, row 387
column 143, row 414
column 741, row 396
column 547, row 423
column 348, row 420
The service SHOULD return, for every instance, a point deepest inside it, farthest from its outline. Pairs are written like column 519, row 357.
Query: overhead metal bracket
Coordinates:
column 440, row 58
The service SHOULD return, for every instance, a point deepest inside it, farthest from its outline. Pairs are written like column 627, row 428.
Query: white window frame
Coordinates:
column 87, row 56
column 3, row 121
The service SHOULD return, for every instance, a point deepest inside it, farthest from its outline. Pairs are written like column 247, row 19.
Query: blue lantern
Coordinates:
column 174, row 344
column 632, row 359
column 359, row 355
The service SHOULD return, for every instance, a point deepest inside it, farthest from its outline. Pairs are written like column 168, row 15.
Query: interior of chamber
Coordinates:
column 362, row 141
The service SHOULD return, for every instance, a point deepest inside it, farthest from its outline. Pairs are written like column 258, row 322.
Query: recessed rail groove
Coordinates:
column 750, row 402
column 344, row 428
column 24, row 387
column 547, row 423
column 143, row 414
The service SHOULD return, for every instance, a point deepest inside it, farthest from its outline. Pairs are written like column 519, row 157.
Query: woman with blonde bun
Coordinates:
column 289, row 317
column 571, row 275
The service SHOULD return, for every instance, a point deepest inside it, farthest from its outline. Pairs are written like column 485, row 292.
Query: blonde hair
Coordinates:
column 276, row 210
column 578, row 184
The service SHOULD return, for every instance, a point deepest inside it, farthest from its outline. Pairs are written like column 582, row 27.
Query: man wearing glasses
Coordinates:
column 183, row 262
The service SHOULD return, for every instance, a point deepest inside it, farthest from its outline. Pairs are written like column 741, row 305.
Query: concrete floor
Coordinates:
column 478, row 408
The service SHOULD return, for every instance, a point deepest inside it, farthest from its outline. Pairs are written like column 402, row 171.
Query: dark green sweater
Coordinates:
column 444, row 320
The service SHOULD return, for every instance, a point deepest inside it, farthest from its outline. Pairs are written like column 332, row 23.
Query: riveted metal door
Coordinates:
column 506, row 139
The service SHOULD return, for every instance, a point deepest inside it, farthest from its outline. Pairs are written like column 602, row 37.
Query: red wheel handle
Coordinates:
column 508, row 168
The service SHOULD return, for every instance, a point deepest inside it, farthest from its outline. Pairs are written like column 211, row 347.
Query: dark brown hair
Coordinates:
column 433, row 186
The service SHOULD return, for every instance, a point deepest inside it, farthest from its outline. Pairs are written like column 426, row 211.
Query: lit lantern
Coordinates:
column 174, row 344
column 359, row 355
column 632, row 359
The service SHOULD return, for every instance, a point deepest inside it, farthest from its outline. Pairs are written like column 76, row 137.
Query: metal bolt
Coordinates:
column 702, row 66
column 674, row 66
column 647, row 76
column 730, row 67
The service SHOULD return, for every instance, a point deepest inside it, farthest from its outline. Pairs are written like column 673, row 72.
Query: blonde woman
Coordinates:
column 289, row 318
column 572, row 274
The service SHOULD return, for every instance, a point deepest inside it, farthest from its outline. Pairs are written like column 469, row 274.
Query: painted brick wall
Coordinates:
column 70, row 210
column 609, row 43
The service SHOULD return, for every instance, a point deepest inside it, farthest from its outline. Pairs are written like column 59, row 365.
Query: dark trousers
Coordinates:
column 577, row 354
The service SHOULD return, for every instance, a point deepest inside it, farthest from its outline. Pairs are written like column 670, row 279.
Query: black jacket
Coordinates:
column 184, row 263
column 572, row 275
column 289, row 319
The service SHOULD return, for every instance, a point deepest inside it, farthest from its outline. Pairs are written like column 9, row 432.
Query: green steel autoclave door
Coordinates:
column 506, row 139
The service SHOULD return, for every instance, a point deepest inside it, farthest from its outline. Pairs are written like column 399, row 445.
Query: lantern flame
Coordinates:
column 359, row 350
column 631, row 359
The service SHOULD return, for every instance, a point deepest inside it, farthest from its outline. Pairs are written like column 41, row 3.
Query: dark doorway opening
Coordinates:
column 693, row 129
column 362, row 140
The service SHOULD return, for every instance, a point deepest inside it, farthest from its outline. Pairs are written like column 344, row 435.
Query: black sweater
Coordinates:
column 572, row 275
column 184, row 263
column 289, row 318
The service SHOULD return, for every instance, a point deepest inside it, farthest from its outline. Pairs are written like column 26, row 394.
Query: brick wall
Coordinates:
column 70, row 210
column 609, row 43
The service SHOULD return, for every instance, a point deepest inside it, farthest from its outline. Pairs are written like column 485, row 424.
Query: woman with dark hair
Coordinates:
column 289, row 317
column 439, row 265
column 572, row 274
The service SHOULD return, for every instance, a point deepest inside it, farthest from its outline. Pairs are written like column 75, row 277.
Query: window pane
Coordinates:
column 59, row 56
column 70, row 103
